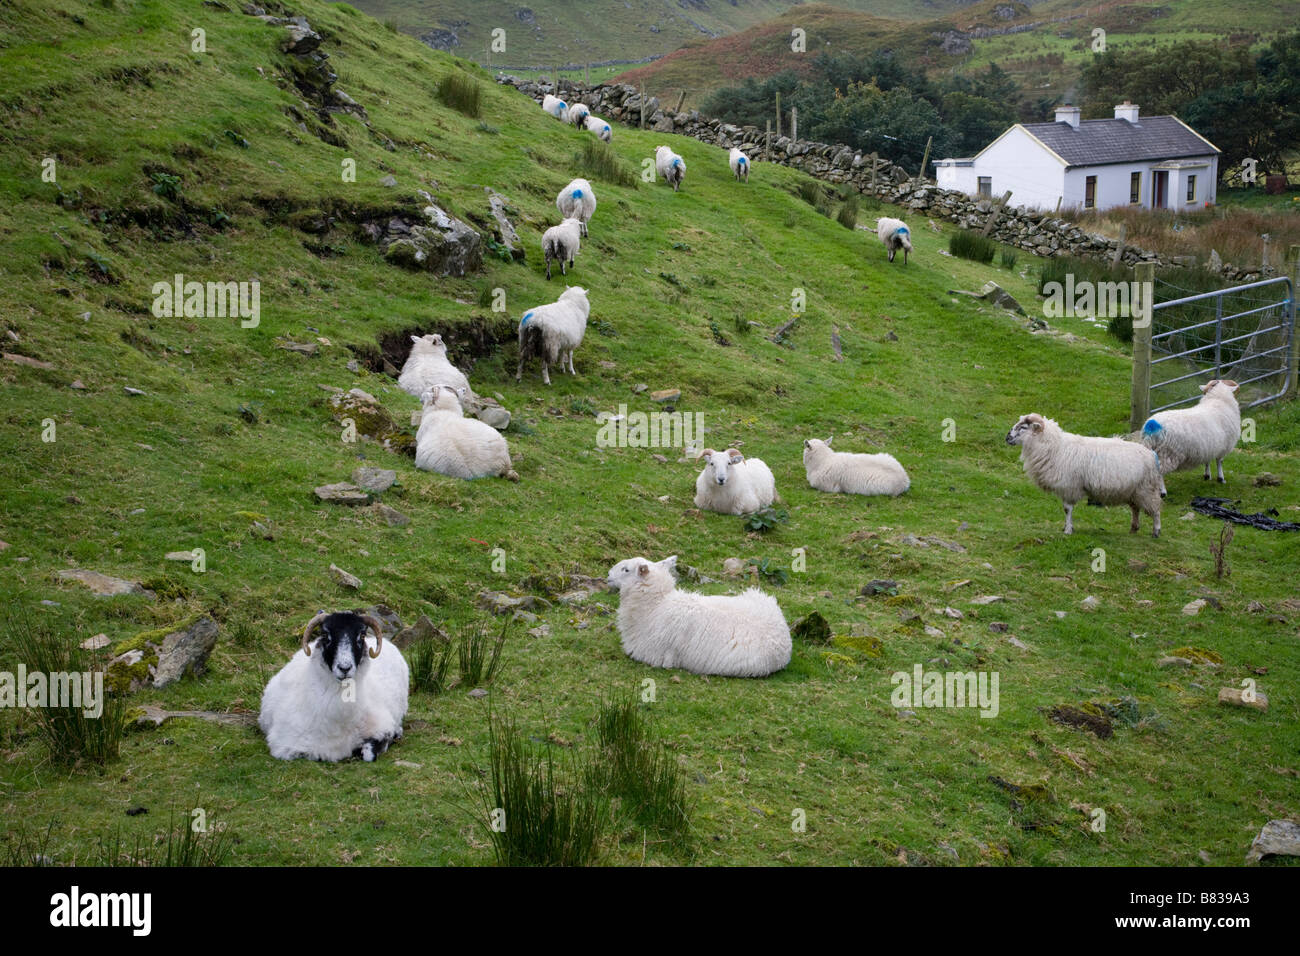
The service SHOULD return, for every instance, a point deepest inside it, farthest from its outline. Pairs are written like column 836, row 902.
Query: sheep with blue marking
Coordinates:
column 577, row 201
column 739, row 165
column 555, row 106
column 600, row 127
column 895, row 235
column 561, row 243
column 577, row 115
column 670, row 166
column 1206, row 432
column 552, row 332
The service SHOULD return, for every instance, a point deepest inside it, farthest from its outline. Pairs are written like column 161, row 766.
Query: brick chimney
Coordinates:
column 1127, row 111
column 1068, row 114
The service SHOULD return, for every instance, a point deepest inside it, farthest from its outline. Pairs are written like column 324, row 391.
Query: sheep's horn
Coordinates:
column 311, row 626
column 374, row 625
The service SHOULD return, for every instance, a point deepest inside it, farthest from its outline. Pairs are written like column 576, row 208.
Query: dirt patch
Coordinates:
column 1067, row 716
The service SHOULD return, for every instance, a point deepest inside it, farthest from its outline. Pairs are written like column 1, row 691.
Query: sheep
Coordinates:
column 577, row 115
column 427, row 365
column 1106, row 471
column 337, row 702
column 552, row 332
column 670, row 166
column 837, row 471
column 555, row 106
column 895, row 235
column 739, row 165
column 577, row 201
column 1187, row 437
column 730, row 484
column 450, row 444
column 741, row 636
column 561, row 243
column 600, row 127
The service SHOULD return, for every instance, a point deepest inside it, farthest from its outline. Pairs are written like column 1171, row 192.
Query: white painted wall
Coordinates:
column 1017, row 161
column 1113, row 185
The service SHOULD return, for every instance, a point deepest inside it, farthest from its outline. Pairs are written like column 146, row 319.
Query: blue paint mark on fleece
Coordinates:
column 1152, row 427
column 577, row 194
column 606, row 128
column 527, row 316
column 677, row 161
column 904, row 231
column 742, row 161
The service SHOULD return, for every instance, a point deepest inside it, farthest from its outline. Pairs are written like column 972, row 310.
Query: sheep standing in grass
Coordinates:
column 600, row 127
column 577, row 201
column 670, row 166
column 451, row 444
column 1206, row 432
column 739, row 165
column 741, row 636
column 730, row 484
column 842, row 472
column 1106, row 471
column 427, row 365
column 561, row 243
column 895, row 235
column 555, row 106
column 552, row 332
column 343, row 695
column 577, row 115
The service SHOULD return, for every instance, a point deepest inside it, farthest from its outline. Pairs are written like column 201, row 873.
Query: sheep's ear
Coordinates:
column 1209, row 385
column 807, row 443
column 1036, row 425
column 670, row 562
column 735, row 457
column 1231, row 384
column 415, row 339
column 708, row 454
column 830, row 439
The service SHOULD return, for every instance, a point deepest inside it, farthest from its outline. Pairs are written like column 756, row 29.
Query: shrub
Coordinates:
column 848, row 214
column 967, row 244
column 479, row 656
column 811, row 192
column 598, row 160
column 461, row 92
column 636, row 769
column 1008, row 257
column 765, row 520
column 429, row 660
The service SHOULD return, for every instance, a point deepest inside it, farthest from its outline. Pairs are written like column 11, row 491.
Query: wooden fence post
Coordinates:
column 643, row 106
column 924, row 159
column 680, row 100
column 1140, row 399
column 1293, row 354
column 1119, row 250
column 794, row 122
column 996, row 212
column 586, row 74
column 778, row 115
column 873, row 173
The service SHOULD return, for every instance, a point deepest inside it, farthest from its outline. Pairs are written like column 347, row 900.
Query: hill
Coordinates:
column 128, row 435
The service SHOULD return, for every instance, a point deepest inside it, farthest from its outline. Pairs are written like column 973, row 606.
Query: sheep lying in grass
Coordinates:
column 343, row 697
column 730, row 484
column 1206, row 432
column 601, row 128
column 739, row 165
column 577, row 201
column 895, row 235
column 741, row 636
column 451, row 444
column 561, row 243
column 577, row 115
column 670, row 166
column 1106, row 471
column 855, row 474
column 552, row 332
column 427, row 365
column 555, row 106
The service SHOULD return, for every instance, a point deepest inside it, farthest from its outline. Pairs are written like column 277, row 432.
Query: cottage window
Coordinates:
column 986, row 187
column 1191, row 188
column 1135, row 188
column 1090, row 193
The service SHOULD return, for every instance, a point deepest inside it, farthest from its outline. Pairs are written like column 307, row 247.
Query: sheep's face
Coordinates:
column 1028, row 425
column 636, row 571
column 720, row 462
column 341, row 645
column 813, row 445
column 443, row 397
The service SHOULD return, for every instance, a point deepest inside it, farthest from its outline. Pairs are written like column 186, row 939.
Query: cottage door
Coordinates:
column 1159, row 195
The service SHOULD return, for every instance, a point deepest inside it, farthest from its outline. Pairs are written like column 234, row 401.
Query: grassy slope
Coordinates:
column 822, row 735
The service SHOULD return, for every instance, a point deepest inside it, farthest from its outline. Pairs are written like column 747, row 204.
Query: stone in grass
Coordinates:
column 96, row 642
column 1090, row 603
column 1277, row 838
column 986, row 599
column 374, row 480
column 733, row 567
column 1236, row 697
column 345, row 579
column 666, row 395
column 342, row 493
column 953, row 613
column 478, row 693
column 1192, row 608
column 394, row 517
column 1174, row 662
column 185, row 652
column 105, row 585
column 186, row 556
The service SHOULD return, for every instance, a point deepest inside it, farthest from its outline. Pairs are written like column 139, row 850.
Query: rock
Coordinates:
column 953, row 613
column 342, row 493
column 1192, row 608
column 185, row 652
column 733, row 567
column 666, row 395
column 499, row 603
column 813, row 629
column 986, row 599
column 442, row 244
column 640, row 387
column 1267, row 480
column 1236, row 698
column 105, row 585
column 303, row 348
column 1060, row 615
column 998, row 627
column 302, row 39
column 375, row 480
column 95, row 643
column 505, row 231
column 390, row 623
column 76, row 384
column 494, row 415
column 994, row 294
column 25, row 360
column 1174, row 662
column 148, row 714
column 132, row 391
column 422, row 630
column 542, row 630
column 878, row 586
column 1277, row 838
column 389, row 181
column 932, row 631
column 1090, row 603
column 394, row 517
column 1216, row 261
column 345, row 579
column 1016, row 642
column 478, row 693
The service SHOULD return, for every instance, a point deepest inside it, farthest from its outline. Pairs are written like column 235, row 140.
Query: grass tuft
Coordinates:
column 462, row 93
column 971, row 245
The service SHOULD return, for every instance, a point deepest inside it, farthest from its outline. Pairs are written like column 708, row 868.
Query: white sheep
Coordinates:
column 577, row 201
column 577, row 115
column 450, row 444
column 732, row 484
column 1187, row 437
column 552, row 332
column 739, row 165
column 1106, row 471
column 345, row 698
column 741, row 636
column 427, row 365
column 600, row 127
column 555, row 106
column 562, row 243
column 856, row 474
column 670, row 166
column 895, row 235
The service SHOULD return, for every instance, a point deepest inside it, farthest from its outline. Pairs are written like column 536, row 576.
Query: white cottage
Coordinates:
column 1156, row 162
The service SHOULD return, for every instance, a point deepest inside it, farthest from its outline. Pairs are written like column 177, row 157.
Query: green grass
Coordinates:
column 462, row 93
column 968, row 244
column 132, row 477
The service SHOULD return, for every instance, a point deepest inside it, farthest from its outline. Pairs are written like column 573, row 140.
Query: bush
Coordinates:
column 967, row 244
column 811, row 192
column 429, row 660
column 461, row 92
column 479, row 656
column 848, row 214
column 599, row 161
column 1008, row 257
column 637, row 770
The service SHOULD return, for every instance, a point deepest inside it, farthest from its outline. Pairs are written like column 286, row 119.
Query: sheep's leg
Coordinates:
column 548, row 268
column 1069, row 517
column 519, row 372
column 1222, row 480
column 1207, row 472
column 1155, row 525
column 546, row 376
column 571, row 371
column 1132, row 528
column 905, row 255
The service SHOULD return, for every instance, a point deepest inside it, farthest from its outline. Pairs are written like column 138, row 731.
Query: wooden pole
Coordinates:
column 767, row 144
column 873, row 173
column 586, row 72
column 996, row 212
column 680, row 100
column 924, row 159
column 794, row 122
column 1118, row 257
column 778, row 115
column 1293, row 354
column 643, row 106
column 1140, row 398
column 1058, row 204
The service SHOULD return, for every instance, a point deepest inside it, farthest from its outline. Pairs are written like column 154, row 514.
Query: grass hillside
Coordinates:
column 209, row 164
